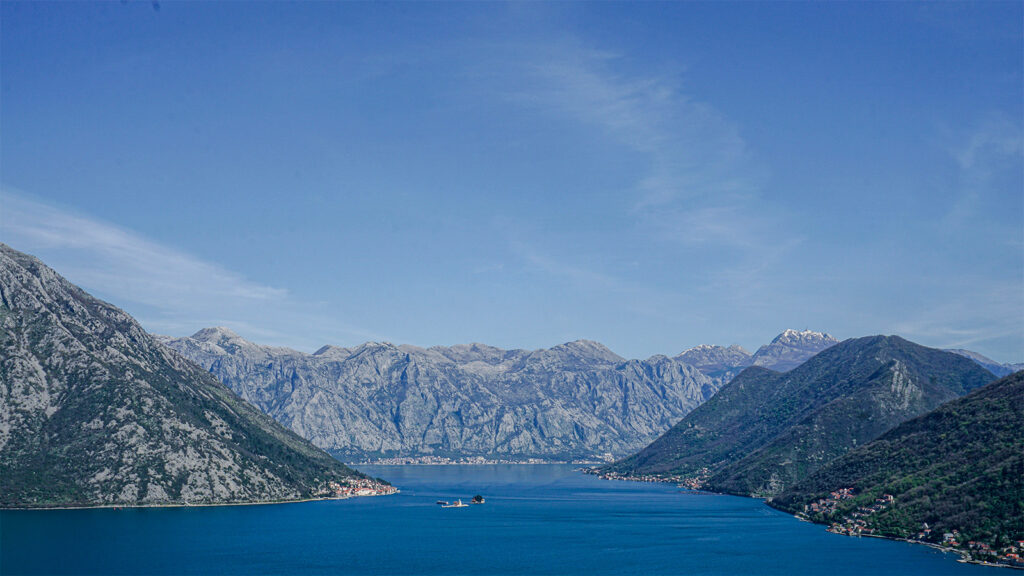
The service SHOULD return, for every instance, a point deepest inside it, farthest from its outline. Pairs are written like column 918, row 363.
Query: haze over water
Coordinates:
column 546, row 519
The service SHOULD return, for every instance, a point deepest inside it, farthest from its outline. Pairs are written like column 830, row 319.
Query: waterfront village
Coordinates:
column 692, row 482
column 354, row 487
column 446, row 461
column 855, row 523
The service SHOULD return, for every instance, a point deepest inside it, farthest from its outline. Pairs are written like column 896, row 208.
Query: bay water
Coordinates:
column 537, row 519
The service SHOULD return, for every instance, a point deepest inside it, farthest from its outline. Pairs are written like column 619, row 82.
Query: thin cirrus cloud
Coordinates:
column 168, row 290
column 700, row 184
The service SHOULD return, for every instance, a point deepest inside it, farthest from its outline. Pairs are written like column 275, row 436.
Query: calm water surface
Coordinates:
column 537, row 519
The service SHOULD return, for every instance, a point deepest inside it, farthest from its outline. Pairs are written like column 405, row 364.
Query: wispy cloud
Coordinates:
column 170, row 291
column 697, row 190
column 699, row 184
column 989, row 153
column 984, row 315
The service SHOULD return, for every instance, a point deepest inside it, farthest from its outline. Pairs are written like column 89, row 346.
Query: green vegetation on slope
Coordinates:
column 959, row 467
column 765, row 430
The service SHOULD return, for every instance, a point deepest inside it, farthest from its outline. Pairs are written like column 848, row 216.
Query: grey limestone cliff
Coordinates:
column 94, row 411
column 575, row 400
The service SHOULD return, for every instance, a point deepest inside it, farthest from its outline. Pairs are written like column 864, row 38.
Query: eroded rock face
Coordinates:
column 574, row 400
column 94, row 411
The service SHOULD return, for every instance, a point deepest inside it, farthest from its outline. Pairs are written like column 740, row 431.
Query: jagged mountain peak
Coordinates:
column 577, row 399
column 792, row 348
column 790, row 336
column 715, row 347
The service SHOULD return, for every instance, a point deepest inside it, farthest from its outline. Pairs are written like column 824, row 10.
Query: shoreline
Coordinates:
column 487, row 463
column 963, row 558
column 198, row 505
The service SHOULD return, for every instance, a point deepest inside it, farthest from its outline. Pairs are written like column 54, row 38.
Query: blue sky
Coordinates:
column 650, row 175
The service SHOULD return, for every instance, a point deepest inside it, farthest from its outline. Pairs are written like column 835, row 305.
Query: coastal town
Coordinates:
column 692, row 482
column 432, row 460
column 858, row 522
column 353, row 488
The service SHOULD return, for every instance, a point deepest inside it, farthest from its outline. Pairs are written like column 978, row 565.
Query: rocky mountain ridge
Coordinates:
column 574, row 400
column 785, row 352
column 94, row 411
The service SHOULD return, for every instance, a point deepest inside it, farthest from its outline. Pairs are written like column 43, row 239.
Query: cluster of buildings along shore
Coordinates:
column 355, row 487
column 693, row 482
column 444, row 461
column 855, row 523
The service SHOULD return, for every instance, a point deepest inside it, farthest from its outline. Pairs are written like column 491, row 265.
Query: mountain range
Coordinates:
column 94, row 411
column 576, row 400
column 785, row 352
column 764, row 431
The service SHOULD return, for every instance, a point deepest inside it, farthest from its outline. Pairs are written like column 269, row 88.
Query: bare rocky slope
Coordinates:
column 576, row 400
column 94, row 411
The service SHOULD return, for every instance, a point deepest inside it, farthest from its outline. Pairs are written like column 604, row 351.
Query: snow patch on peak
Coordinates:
column 790, row 335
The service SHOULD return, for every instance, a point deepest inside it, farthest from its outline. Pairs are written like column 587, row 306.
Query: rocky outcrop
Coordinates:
column 576, row 400
column 94, row 411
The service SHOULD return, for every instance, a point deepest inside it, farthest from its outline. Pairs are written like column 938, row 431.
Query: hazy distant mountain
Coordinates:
column 719, row 363
column 785, row 352
column 989, row 364
column 574, row 400
column 766, row 430
column 960, row 466
column 791, row 349
column 94, row 411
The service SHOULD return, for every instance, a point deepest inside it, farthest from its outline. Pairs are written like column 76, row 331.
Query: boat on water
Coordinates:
column 478, row 499
column 442, row 502
column 456, row 504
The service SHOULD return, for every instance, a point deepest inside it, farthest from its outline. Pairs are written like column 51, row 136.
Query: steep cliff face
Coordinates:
column 94, row 411
column 574, row 400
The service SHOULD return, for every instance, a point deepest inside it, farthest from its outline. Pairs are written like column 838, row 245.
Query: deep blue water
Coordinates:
column 537, row 519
